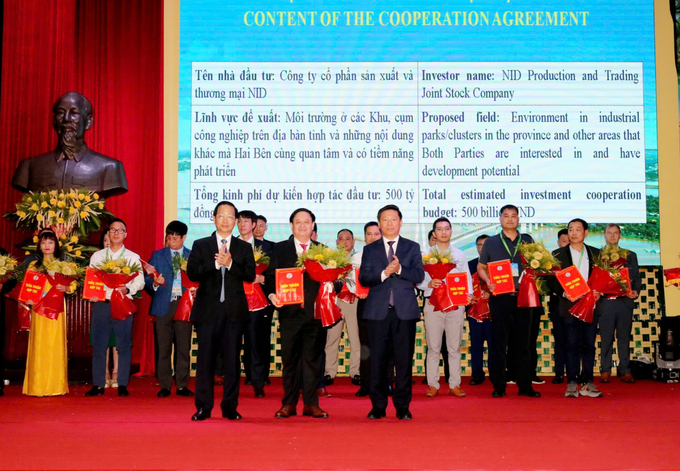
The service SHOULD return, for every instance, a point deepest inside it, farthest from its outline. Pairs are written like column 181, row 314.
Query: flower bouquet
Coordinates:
column 604, row 279
column 116, row 274
column 62, row 273
column 479, row 310
column 614, row 255
column 8, row 268
column 325, row 265
column 537, row 261
column 254, row 294
column 437, row 264
column 186, row 302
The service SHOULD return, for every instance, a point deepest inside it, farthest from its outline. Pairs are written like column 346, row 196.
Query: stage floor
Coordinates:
column 632, row 427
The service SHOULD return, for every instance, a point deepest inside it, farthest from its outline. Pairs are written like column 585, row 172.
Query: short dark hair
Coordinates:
column 247, row 214
column 369, row 224
column 315, row 228
column 176, row 227
column 438, row 220
column 430, row 234
column 612, row 224
column 562, row 232
column 261, row 218
column 101, row 240
column 389, row 207
column 509, row 206
column 345, row 230
column 583, row 223
column 222, row 203
column 299, row 210
column 117, row 220
column 481, row 237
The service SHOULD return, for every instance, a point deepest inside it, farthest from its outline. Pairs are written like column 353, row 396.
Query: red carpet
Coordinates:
column 632, row 427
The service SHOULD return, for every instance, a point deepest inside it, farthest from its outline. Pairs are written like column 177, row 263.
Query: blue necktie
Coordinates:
column 390, row 257
column 224, row 270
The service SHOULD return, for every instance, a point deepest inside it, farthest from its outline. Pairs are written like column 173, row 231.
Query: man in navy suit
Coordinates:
column 257, row 344
column 220, row 263
column 302, row 337
column 163, row 306
column 391, row 267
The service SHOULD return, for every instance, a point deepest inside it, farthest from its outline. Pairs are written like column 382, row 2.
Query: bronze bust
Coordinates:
column 72, row 164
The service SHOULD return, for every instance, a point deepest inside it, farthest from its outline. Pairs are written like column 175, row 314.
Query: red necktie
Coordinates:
column 304, row 247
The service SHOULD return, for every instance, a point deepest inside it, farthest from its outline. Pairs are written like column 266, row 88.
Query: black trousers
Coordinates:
column 399, row 336
column 365, row 359
column 220, row 337
column 509, row 321
column 257, row 346
column 302, row 344
column 169, row 331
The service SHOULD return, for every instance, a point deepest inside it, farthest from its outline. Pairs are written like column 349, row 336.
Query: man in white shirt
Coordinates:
column 348, row 306
column 439, row 322
column 102, row 324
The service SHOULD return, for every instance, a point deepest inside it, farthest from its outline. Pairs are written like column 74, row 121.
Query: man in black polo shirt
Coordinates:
column 506, row 318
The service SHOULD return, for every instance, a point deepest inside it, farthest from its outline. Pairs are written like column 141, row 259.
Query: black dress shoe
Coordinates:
column 362, row 392
column 356, row 381
column 259, row 391
column 186, row 392
column 123, row 391
column 201, row 414
column 329, row 380
column 376, row 414
column 477, row 381
column 558, row 379
column 95, row 391
column 231, row 414
column 247, row 382
column 404, row 414
column 529, row 393
column 267, row 381
column 163, row 393
column 497, row 393
column 2, row 392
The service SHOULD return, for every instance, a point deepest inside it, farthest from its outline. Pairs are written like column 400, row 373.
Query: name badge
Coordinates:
column 515, row 269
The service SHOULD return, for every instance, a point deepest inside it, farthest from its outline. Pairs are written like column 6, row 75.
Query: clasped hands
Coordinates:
column 393, row 267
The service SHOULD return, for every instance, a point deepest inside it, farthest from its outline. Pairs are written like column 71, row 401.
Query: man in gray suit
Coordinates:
column 616, row 314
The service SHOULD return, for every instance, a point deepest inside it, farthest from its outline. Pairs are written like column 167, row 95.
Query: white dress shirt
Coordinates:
column 583, row 267
column 136, row 284
column 461, row 261
column 383, row 276
column 223, row 249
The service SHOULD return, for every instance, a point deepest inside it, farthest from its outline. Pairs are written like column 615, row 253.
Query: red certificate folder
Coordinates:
column 362, row 291
column 457, row 284
column 93, row 287
column 290, row 286
column 500, row 274
column 573, row 283
column 33, row 286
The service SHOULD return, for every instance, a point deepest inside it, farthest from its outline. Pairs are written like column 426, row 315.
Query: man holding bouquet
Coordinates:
column 167, row 288
column 302, row 336
column 447, row 320
column 102, row 324
column 580, row 335
column 616, row 312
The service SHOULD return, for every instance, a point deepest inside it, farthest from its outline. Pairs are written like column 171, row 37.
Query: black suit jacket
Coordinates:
column 564, row 256
column 285, row 256
column 201, row 268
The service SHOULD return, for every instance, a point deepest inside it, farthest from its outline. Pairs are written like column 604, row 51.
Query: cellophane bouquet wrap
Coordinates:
column 437, row 264
column 480, row 309
column 325, row 265
column 672, row 277
column 186, row 301
column 116, row 274
column 537, row 261
column 58, row 272
column 604, row 279
column 254, row 294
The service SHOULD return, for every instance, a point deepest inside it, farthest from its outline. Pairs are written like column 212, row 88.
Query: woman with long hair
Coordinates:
column 47, row 360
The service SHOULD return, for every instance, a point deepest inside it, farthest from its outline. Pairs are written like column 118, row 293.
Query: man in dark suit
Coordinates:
column 580, row 335
column 221, row 263
column 557, row 321
column 616, row 314
column 257, row 344
column 391, row 267
column 259, row 232
column 163, row 307
column 480, row 332
column 302, row 337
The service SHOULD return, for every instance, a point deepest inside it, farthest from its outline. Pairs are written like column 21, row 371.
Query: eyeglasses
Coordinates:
column 117, row 231
column 174, row 238
column 223, row 217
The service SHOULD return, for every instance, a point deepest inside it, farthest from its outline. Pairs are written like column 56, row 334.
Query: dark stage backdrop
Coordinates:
column 112, row 52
